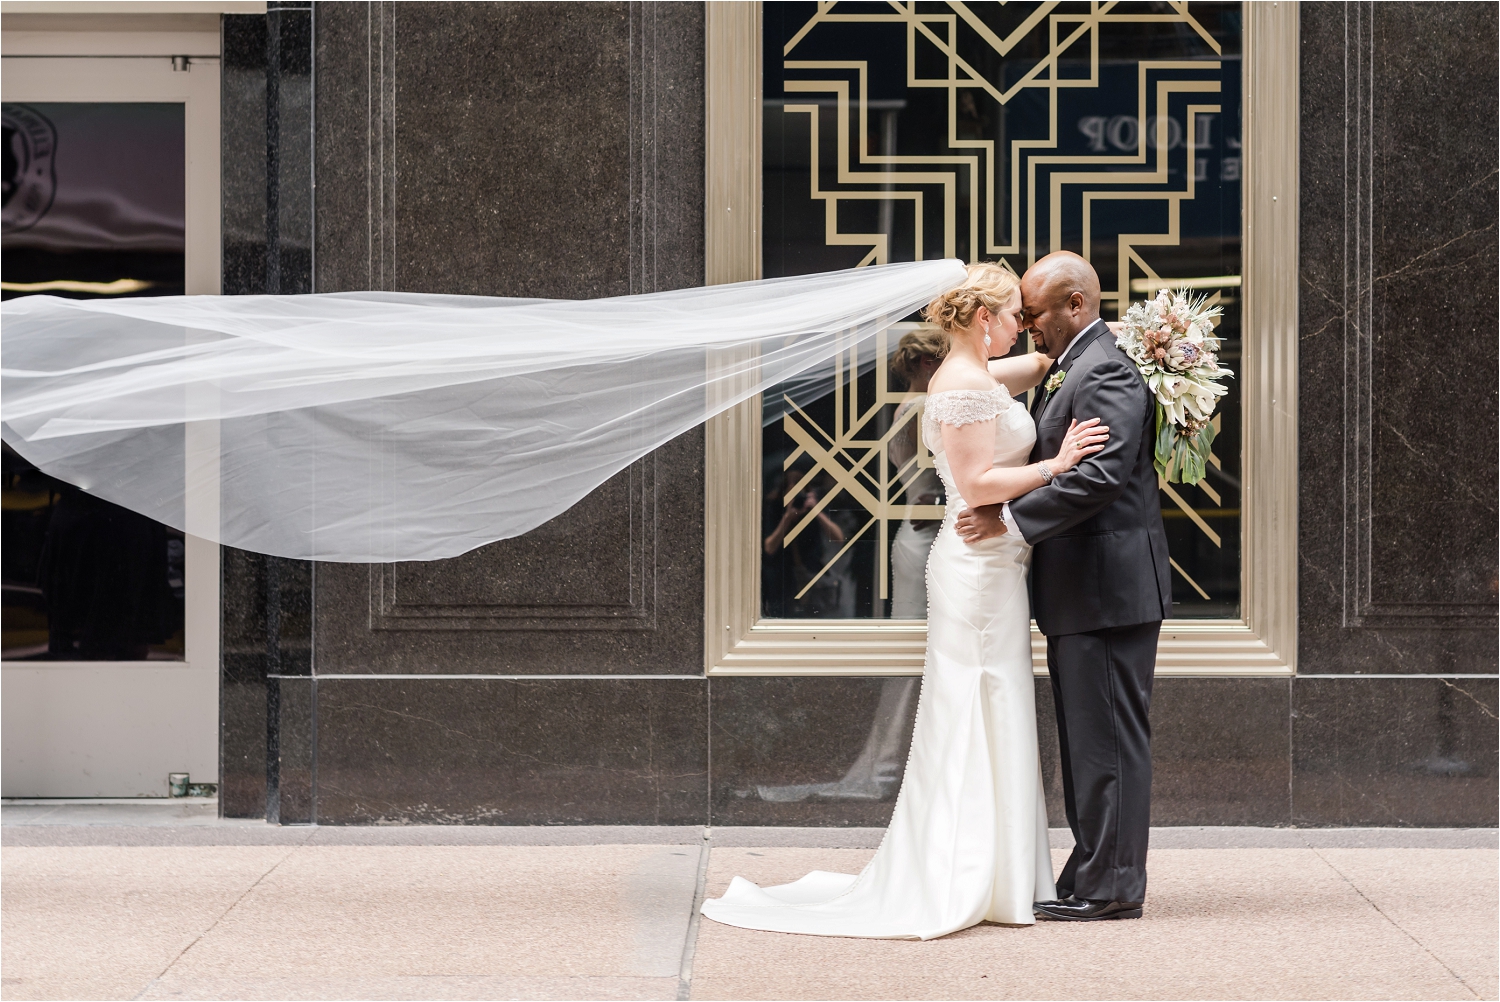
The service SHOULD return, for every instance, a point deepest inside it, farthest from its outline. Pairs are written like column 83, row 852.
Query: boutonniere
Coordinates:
column 1055, row 381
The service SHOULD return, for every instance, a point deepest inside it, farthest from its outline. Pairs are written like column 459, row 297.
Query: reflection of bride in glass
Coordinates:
column 876, row 773
column 915, row 359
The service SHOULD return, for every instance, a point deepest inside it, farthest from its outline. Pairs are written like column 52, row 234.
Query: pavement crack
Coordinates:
column 695, row 920
column 1382, row 913
column 235, row 904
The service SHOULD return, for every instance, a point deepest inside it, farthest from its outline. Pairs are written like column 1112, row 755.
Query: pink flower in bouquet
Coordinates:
column 1185, row 355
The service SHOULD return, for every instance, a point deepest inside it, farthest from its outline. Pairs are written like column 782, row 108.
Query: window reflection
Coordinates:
column 93, row 206
column 852, row 502
column 876, row 773
column 807, row 573
column 915, row 359
column 884, row 141
column 85, row 580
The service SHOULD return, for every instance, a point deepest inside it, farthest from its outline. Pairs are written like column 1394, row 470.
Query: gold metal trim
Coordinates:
column 731, row 254
column 1268, row 594
column 732, row 127
column 1263, row 642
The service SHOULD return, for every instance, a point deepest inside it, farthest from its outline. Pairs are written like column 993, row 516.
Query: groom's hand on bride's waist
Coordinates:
column 974, row 525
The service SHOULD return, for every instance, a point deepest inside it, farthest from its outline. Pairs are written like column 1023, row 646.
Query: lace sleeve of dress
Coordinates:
column 961, row 407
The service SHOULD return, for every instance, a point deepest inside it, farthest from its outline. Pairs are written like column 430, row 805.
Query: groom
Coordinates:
column 1100, row 587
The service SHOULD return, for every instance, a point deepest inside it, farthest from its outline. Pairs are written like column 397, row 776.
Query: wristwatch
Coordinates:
column 1045, row 472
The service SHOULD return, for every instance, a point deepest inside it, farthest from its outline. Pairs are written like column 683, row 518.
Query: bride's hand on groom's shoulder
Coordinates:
column 975, row 525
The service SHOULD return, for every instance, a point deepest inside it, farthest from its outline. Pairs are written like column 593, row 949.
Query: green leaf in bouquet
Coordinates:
column 1191, row 466
column 1206, row 438
column 1166, row 434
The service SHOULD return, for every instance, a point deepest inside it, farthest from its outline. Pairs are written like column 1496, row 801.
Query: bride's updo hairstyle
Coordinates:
column 988, row 285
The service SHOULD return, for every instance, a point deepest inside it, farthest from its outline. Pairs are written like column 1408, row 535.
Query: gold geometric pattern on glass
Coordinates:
column 855, row 454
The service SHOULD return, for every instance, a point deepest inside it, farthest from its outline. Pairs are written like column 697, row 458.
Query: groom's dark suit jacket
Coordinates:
column 1099, row 557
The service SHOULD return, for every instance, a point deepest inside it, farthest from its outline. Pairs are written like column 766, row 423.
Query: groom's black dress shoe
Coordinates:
column 1082, row 910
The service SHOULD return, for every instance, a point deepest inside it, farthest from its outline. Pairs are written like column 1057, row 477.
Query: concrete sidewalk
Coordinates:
column 164, row 901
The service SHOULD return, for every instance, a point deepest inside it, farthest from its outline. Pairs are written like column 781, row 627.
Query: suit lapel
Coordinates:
column 1070, row 357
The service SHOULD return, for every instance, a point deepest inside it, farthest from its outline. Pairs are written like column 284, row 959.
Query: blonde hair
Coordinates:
column 988, row 285
column 925, row 342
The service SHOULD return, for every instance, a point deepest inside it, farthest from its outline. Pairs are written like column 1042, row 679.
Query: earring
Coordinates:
column 986, row 338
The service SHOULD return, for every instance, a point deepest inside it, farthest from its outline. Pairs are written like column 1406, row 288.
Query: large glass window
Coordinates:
column 93, row 206
column 986, row 132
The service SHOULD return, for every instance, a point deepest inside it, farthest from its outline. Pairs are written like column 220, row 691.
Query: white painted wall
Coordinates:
column 106, row 730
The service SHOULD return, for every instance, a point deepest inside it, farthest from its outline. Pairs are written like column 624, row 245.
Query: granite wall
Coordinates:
column 1393, row 713
column 266, row 173
column 552, row 149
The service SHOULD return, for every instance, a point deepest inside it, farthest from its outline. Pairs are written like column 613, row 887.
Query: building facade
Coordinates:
column 730, row 631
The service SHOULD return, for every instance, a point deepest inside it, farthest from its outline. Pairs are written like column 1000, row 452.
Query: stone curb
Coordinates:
column 242, row 833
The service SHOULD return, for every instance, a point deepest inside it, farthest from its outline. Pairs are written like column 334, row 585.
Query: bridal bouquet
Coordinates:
column 1171, row 339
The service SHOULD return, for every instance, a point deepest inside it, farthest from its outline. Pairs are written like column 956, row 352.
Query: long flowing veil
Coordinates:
column 381, row 426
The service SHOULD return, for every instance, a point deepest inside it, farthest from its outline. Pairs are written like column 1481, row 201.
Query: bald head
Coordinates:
column 1061, row 296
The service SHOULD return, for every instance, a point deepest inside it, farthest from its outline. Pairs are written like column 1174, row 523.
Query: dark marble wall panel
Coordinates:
column 289, row 147
column 1233, row 751
column 461, row 149
column 1221, row 751
column 266, row 137
column 292, row 790
column 266, row 225
column 1394, row 752
column 615, row 585
column 243, row 669
column 347, row 179
column 667, row 146
column 1433, row 255
column 547, row 751
column 558, row 226
column 242, row 165
column 1398, row 339
column 265, row 632
column 831, row 751
column 809, row 751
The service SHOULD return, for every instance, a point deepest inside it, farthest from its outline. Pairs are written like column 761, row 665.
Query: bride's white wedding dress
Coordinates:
column 967, row 842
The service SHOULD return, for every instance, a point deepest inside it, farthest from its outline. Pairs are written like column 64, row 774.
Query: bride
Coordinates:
column 967, row 842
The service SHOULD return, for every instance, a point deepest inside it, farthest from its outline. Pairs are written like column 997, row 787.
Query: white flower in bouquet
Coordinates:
column 1171, row 340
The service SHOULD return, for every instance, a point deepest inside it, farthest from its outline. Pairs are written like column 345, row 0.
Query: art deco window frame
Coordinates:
column 1263, row 641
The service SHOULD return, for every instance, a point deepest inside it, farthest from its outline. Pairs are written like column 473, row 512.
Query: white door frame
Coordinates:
column 116, row 729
